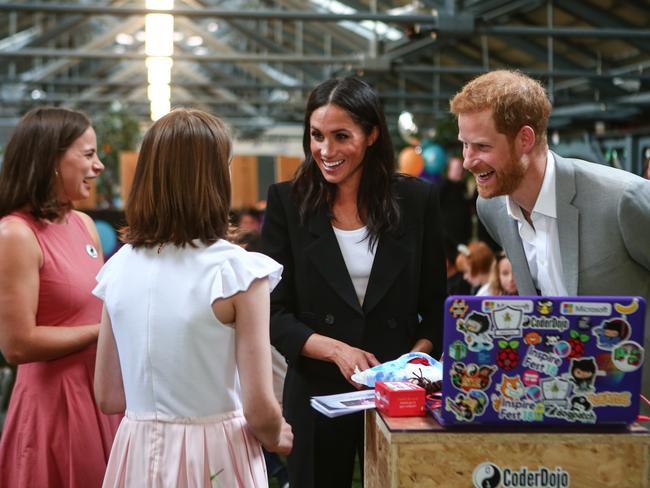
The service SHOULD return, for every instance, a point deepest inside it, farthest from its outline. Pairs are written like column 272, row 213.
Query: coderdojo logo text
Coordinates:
column 489, row 475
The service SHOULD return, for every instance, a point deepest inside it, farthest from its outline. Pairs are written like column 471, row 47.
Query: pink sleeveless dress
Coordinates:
column 54, row 434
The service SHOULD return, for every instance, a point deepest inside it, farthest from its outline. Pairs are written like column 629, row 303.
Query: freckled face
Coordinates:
column 338, row 145
column 77, row 167
column 488, row 155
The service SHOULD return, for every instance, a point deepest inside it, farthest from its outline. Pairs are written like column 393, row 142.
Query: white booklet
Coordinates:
column 344, row 403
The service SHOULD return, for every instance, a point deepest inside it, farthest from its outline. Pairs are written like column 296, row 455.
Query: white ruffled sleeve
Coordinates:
column 238, row 272
column 105, row 274
column 103, row 277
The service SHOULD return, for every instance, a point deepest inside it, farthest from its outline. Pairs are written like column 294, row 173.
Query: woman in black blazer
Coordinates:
column 364, row 271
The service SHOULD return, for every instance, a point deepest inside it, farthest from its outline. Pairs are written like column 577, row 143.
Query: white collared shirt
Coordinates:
column 541, row 240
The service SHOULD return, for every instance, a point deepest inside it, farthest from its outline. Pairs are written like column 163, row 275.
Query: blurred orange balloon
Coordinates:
column 411, row 161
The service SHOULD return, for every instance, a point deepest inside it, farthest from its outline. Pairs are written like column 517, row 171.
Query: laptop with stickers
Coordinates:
column 542, row 361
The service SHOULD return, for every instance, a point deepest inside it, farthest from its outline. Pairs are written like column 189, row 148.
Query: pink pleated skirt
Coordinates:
column 212, row 452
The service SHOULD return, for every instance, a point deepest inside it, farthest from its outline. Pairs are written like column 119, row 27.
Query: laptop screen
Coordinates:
column 542, row 360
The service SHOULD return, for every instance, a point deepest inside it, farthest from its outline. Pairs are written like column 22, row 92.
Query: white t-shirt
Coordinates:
column 357, row 256
column 177, row 359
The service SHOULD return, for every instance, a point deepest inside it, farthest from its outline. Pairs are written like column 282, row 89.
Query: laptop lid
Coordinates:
column 566, row 361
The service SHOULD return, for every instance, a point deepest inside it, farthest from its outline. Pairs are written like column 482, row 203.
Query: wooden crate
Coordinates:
column 415, row 452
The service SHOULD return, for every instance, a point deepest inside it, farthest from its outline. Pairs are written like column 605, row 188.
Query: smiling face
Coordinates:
column 489, row 155
column 338, row 145
column 506, row 277
column 77, row 167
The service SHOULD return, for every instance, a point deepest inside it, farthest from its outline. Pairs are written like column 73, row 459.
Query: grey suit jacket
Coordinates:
column 604, row 231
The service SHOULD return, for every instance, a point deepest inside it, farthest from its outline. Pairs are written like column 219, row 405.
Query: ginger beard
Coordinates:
column 504, row 180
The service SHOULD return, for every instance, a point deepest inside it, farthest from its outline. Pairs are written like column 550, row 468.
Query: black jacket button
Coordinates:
column 392, row 323
column 329, row 319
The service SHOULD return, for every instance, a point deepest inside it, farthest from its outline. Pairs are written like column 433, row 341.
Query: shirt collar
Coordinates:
column 545, row 204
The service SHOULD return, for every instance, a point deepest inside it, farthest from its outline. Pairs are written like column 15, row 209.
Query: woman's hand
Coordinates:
column 351, row 359
column 346, row 357
column 285, row 440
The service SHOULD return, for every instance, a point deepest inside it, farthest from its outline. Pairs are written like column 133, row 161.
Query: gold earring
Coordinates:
column 56, row 173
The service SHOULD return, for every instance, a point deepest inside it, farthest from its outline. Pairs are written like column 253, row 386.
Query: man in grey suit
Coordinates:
column 569, row 227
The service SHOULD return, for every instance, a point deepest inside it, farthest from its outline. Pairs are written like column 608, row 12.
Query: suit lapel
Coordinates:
column 391, row 256
column 326, row 256
column 517, row 255
column 567, row 222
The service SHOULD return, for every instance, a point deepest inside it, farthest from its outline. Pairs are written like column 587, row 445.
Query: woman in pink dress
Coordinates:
column 184, row 342
column 54, row 435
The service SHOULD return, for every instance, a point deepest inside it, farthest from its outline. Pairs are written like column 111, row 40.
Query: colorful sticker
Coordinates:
column 589, row 309
column 484, row 357
column 457, row 350
column 610, row 399
column 532, row 338
column 476, row 328
column 507, row 322
column 512, row 402
column 508, row 356
column 545, row 307
column 628, row 356
column 492, row 304
column 556, row 391
column 458, row 308
column 534, row 393
column 562, row 349
column 577, row 342
column 580, row 410
column 544, row 362
column 583, row 372
column 627, row 309
column 550, row 340
column 584, row 323
column 467, row 406
column 471, row 376
column 530, row 377
column 611, row 332
column 546, row 323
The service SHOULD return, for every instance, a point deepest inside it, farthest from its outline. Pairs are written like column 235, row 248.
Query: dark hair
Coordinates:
column 181, row 187
column 376, row 203
column 251, row 240
column 247, row 210
column 27, row 177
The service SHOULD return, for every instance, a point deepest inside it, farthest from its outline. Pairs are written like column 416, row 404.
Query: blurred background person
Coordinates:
column 54, row 434
column 186, row 315
column 456, row 206
column 456, row 284
column 502, row 279
column 474, row 260
column 248, row 219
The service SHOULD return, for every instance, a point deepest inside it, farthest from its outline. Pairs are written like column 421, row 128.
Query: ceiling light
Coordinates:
column 124, row 39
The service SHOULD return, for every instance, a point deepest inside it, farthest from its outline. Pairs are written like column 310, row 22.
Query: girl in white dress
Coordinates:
column 184, row 341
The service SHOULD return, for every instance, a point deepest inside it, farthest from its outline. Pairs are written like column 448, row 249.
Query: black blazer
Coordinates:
column 403, row 302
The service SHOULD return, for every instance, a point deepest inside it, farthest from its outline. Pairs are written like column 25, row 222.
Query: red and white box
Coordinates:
column 399, row 398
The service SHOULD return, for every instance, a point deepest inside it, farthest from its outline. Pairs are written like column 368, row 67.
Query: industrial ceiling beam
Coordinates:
column 561, row 73
column 233, row 57
column 206, row 12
